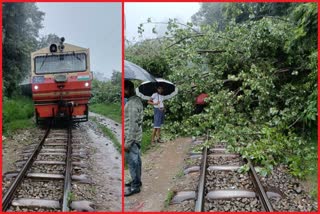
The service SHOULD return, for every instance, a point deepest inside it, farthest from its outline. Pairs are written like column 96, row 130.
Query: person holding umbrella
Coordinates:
column 133, row 113
column 157, row 101
column 156, row 93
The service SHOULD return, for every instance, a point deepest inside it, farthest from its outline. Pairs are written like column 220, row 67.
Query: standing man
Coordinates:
column 133, row 113
column 157, row 101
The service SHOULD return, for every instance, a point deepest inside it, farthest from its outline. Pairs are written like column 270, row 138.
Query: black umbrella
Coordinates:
column 135, row 72
column 146, row 89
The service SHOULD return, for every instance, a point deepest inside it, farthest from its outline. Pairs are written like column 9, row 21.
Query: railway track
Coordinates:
column 221, row 187
column 45, row 173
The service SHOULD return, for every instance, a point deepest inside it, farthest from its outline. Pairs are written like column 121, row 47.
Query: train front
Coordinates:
column 61, row 82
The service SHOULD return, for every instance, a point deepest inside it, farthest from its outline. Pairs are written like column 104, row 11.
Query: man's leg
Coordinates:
column 129, row 163
column 155, row 119
column 139, row 166
column 135, row 155
column 158, row 133
column 134, row 164
column 160, row 124
column 153, row 135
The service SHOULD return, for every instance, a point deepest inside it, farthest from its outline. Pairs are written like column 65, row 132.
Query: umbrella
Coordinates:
column 133, row 71
column 146, row 89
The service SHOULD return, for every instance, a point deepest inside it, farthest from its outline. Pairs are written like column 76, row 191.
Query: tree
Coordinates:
column 47, row 40
column 108, row 91
column 147, row 54
column 21, row 25
column 116, row 77
column 221, row 13
column 241, row 12
column 210, row 13
column 261, row 76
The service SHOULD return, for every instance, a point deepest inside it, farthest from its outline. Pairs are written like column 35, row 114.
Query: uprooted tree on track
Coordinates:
column 261, row 77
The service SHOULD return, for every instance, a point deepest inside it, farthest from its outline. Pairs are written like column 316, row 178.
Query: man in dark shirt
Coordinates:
column 133, row 113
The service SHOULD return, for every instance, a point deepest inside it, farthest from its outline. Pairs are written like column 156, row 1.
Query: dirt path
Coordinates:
column 160, row 165
column 105, row 164
column 105, row 170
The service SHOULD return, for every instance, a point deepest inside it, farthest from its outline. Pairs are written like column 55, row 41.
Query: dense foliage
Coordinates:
column 20, row 32
column 260, row 71
column 107, row 91
column 17, row 114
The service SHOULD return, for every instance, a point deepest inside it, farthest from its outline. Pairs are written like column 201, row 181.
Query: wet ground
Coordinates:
column 110, row 124
column 106, row 170
column 161, row 165
column 12, row 146
column 104, row 162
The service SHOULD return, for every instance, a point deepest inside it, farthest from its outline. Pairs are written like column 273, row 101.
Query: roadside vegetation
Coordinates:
column 106, row 98
column 146, row 139
column 109, row 134
column 17, row 113
column 109, row 110
column 24, row 28
column 258, row 63
column 106, row 101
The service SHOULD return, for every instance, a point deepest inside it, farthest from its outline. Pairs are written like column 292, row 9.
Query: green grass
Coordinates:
column 190, row 161
column 313, row 180
column 180, row 174
column 108, row 133
column 110, row 110
column 17, row 114
column 71, row 197
column 312, row 177
column 169, row 197
column 146, row 140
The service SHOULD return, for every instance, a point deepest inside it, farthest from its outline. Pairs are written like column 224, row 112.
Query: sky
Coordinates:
column 136, row 13
column 96, row 26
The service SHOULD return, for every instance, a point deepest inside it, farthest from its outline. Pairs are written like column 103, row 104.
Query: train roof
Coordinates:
column 67, row 48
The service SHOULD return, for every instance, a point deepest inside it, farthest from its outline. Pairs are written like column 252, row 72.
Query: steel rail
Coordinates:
column 259, row 189
column 202, row 182
column 199, row 206
column 8, row 197
column 67, row 176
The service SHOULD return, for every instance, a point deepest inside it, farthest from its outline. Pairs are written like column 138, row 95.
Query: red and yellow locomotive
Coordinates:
column 61, row 82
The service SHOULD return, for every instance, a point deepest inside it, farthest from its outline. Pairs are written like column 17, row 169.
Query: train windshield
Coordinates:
column 73, row 62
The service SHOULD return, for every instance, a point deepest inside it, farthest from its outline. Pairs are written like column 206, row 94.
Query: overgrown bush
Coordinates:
column 17, row 114
column 107, row 91
column 261, row 77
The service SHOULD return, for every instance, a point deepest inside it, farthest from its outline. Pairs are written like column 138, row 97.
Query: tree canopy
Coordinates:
column 20, row 31
column 260, row 71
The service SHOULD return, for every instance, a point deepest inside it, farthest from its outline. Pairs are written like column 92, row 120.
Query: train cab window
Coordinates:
column 73, row 62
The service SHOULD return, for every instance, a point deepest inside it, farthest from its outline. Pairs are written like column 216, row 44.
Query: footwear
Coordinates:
column 129, row 184
column 131, row 192
column 160, row 141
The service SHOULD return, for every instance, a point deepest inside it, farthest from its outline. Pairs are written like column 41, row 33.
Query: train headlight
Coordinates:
column 86, row 84
column 53, row 48
column 36, row 87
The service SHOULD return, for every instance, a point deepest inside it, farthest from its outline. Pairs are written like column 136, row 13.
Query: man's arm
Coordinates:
column 151, row 101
